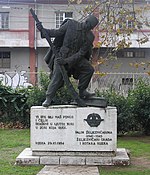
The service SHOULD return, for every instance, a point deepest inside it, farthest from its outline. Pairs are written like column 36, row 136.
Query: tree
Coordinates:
column 119, row 19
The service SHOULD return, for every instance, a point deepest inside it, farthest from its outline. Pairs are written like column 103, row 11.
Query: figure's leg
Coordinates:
column 85, row 74
column 55, row 83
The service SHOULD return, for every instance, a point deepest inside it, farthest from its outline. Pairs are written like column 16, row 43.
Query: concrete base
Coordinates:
column 63, row 128
column 26, row 158
column 75, row 153
column 69, row 170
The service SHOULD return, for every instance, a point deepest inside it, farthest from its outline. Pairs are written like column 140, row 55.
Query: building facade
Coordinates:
column 22, row 50
column 21, row 47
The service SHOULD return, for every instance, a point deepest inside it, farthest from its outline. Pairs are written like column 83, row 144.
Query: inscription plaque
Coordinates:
column 71, row 128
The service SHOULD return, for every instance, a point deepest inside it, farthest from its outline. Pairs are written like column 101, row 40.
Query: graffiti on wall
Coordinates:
column 15, row 80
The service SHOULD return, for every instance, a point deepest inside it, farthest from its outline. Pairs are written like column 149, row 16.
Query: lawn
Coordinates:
column 12, row 142
column 140, row 157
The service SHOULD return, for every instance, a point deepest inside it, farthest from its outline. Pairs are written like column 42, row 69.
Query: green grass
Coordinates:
column 12, row 142
column 139, row 148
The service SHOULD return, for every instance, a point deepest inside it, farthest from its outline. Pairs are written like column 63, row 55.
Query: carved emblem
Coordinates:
column 94, row 120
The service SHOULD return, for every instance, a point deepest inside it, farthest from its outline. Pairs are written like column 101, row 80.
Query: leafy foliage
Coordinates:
column 16, row 103
column 63, row 96
column 134, row 110
column 118, row 20
column 140, row 107
column 36, row 94
column 125, row 121
column 13, row 106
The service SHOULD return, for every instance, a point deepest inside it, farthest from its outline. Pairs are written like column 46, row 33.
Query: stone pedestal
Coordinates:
column 70, row 128
column 71, row 135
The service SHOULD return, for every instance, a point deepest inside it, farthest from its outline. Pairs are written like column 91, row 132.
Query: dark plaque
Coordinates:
column 94, row 120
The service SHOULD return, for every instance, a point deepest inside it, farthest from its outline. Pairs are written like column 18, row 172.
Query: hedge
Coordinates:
column 133, row 111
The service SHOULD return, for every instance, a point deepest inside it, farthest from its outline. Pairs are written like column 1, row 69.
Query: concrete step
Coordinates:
column 69, row 170
column 27, row 158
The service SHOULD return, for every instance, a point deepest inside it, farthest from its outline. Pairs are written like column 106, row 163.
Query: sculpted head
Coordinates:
column 90, row 22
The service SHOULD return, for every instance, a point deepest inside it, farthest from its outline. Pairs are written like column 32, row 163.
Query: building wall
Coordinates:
column 46, row 14
column 27, row 51
column 19, row 59
column 42, row 66
column 29, row 57
column 17, row 34
column 19, row 17
column 124, row 64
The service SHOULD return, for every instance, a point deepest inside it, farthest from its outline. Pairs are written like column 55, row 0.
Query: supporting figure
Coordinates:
column 74, row 42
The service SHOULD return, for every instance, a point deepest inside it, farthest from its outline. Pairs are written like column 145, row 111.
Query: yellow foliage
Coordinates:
column 101, row 61
column 100, row 73
column 79, row 1
column 148, row 73
column 136, row 65
column 117, row 66
column 142, row 64
column 131, row 64
column 99, row 44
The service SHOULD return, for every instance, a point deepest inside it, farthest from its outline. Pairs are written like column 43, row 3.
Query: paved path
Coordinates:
column 69, row 170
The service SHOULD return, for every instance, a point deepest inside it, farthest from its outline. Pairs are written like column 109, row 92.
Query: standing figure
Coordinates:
column 74, row 42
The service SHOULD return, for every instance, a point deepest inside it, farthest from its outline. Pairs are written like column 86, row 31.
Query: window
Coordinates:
column 127, row 81
column 4, row 16
column 61, row 16
column 135, row 54
column 128, row 54
column 127, row 21
column 4, row 59
column 140, row 54
column 131, row 54
column 130, row 22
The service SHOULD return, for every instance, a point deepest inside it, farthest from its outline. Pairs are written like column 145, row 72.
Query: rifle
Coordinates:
column 69, row 85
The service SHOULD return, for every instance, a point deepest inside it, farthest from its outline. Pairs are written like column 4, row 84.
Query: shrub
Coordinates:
column 63, row 95
column 44, row 80
column 133, row 111
column 140, row 107
column 13, row 106
column 36, row 94
column 124, row 117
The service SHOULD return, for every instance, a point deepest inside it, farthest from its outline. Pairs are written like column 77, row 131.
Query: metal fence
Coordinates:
column 121, row 82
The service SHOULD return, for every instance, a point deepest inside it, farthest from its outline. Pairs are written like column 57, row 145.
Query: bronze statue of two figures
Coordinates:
column 68, row 55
